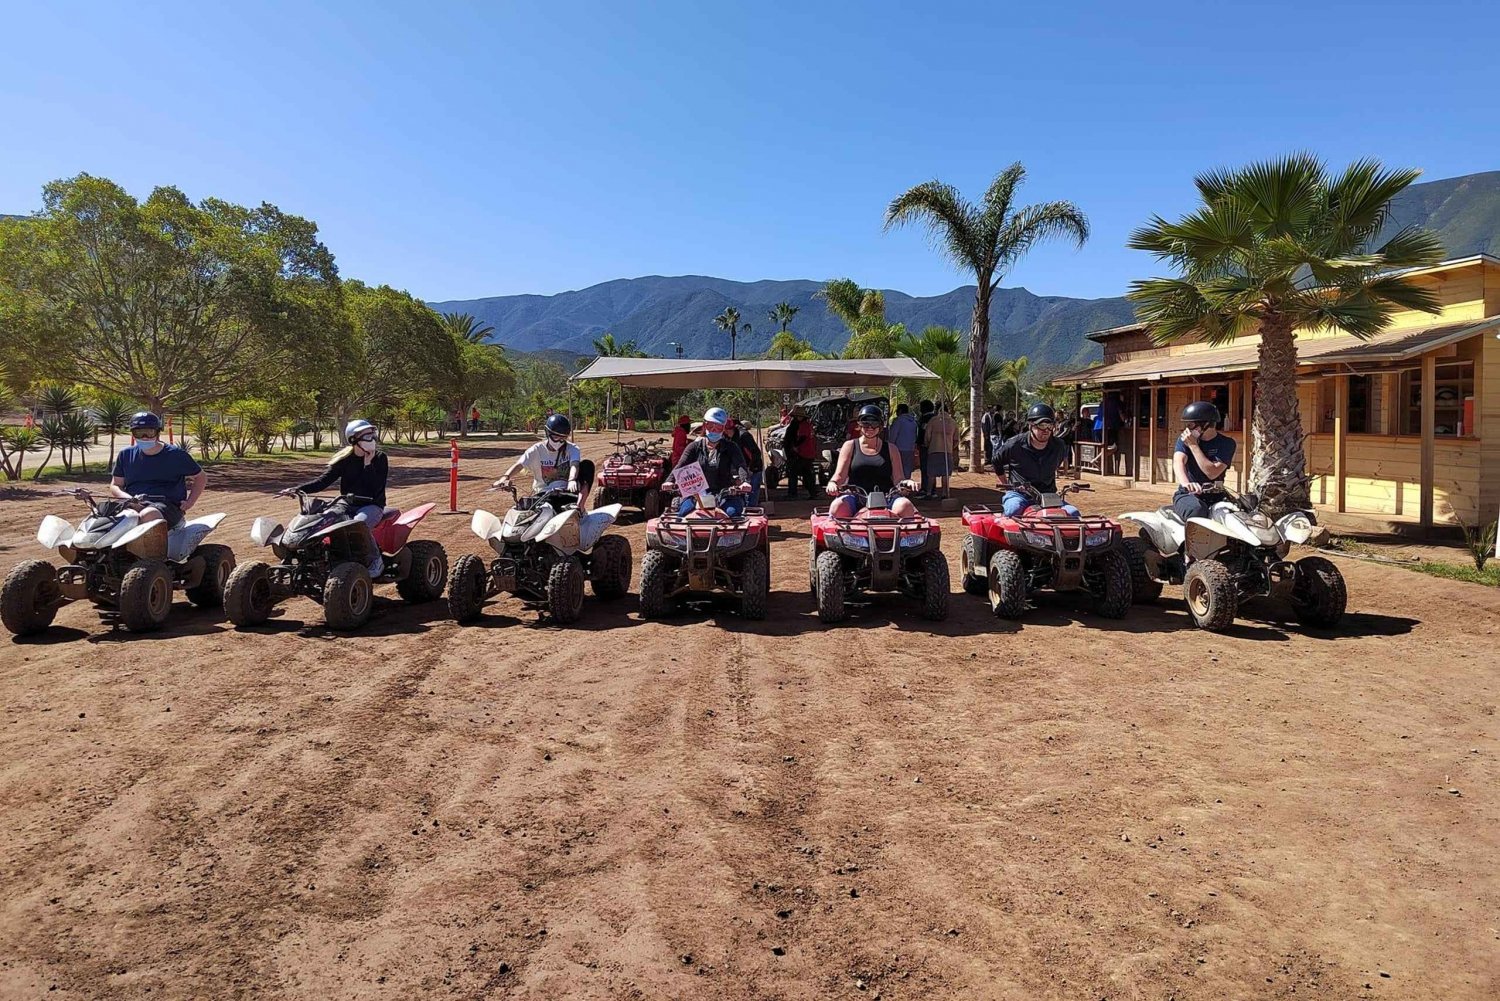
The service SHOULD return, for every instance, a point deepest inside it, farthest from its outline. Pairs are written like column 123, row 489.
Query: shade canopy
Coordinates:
column 660, row 373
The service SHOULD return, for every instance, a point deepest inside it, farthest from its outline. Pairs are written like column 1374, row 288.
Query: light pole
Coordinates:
column 674, row 344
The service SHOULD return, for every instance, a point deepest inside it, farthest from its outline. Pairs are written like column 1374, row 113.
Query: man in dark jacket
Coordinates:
column 754, row 460
column 799, row 444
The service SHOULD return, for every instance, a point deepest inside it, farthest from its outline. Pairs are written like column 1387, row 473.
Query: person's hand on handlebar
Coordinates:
column 906, row 485
column 834, row 488
column 503, row 483
column 286, row 492
column 1193, row 488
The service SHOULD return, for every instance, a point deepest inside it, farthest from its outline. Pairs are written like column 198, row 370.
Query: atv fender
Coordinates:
column 265, row 531
column 1205, row 538
column 1298, row 527
column 1165, row 534
column 485, row 525
column 54, row 532
column 562, row 531
column 1228, row 529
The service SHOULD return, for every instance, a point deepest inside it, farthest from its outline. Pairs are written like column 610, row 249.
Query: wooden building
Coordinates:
column 1405, row 425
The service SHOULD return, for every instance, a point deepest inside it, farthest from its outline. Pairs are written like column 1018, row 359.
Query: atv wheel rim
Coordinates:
column 434, row 573
column 260, row 596
column 222, row 577
column 995, row 596
column 359, row 597
column 160, row 599
column 1198, row 597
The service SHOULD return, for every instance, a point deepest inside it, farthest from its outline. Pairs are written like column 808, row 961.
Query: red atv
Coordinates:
column 1045, row 546
column 633, row 476
column 695, row 555
column 876, row 551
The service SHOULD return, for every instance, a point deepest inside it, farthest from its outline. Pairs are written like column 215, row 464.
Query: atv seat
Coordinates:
column 394, row 528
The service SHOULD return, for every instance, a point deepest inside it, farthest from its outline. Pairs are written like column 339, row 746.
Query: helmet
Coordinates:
column 559, row 425
column 1201, row 412
column 715, row 415
column 1040, row 412
column 145, row 420
column 869, row 412
column 357, row 427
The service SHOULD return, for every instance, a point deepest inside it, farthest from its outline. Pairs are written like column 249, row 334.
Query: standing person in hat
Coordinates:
column 679, row 438
column 800, row 445
column 941, row 437
column 903, row 434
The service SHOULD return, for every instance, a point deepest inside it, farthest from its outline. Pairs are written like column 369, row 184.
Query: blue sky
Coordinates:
column 461, row 151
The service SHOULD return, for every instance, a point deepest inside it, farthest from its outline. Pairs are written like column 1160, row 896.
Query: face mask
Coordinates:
column 367, row 447
column 713, row 436
column 150, row 445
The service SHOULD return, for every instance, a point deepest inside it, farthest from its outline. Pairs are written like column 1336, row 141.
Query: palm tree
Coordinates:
column 607, row 347
column 985, row 240
column 787, row 343
column 729, row 322
column 862, row 310
column 1013, row 373
column 939, row 350
column 112, row 413
column 782, row 313
column 1276, row 246
column 466, row 328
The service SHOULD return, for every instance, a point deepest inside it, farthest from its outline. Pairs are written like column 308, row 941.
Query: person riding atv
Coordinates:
column 1033, row 456
column 869, row 462
column 1200, row 460
column 166, row 479
column 554, row 459
column 721, row 461
column 361, row 470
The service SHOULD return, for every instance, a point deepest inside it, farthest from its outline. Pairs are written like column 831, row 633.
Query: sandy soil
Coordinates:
column 1065, row 808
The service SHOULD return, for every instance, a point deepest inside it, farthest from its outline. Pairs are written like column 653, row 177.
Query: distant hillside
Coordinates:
column 656, row 311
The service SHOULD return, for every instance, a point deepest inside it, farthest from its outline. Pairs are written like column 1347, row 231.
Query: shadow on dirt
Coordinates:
column 506, row 612
column 389, row 617
column 51, row 636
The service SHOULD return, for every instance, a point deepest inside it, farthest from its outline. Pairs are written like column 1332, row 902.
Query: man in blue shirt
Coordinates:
column 167, row 475
column 903, row 434
column 1201, row 459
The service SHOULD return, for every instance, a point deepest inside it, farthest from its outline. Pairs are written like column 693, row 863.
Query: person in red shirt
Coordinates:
column 800, row 445
column 679, row 439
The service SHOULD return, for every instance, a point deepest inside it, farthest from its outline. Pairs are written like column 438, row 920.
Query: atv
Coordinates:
column 1045, row 546
column 707, row 552
column 324, row 555
column 1234, row 554
column 633, row 476
column 546, row 547
column 128, row 568
column 876, row 551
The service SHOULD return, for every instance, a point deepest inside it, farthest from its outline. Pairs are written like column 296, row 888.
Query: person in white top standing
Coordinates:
column 555, row 461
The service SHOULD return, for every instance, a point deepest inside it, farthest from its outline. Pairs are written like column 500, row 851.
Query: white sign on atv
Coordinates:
column 690, row 480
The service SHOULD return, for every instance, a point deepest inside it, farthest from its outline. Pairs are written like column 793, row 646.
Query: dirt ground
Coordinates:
column 710, row 808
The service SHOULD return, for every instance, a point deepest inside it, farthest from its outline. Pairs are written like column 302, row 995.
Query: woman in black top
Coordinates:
column 361, row 469
column 870, row 463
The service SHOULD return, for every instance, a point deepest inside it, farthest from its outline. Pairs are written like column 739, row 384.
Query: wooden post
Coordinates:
column 1135, row 436
column 1077, row 427
column 1390, row 404
column 1152, row 392
column 1340, row 429
column 1429, row 441
column 1247, row 394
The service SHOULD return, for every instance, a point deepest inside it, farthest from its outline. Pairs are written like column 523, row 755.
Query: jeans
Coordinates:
column 733, row 506
column 755, row 482
column 370, row 516
column 1014, row 502
column 1193, row 505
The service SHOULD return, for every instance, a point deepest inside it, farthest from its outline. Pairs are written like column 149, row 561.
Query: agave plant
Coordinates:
column 57, row 400
column 205, row 431
column 54, row 435
column 78, row 433
column 14, row 444
column 112, row 414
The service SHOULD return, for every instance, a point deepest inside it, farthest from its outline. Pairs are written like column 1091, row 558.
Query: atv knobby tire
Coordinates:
column 1006, row 584
column 467, row 585
column 29, row 597
column 1212, row 595
column 348, row 596
column 145, row 596
column 218, row 564
column 247, row 594
column 429, row 573
column 1144, row 587
column 658, row 570
column 1114, row 592
column 830, row 570
column 935, row 586
column 972, row 565
column 610, row 568
column 812, row 566
column 755, row 584
column 1318, row 595
column 565, row 590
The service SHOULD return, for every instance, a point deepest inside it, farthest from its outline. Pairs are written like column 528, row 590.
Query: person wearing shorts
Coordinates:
column 167, row 478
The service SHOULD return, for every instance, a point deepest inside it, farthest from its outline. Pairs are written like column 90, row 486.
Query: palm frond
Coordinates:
column 1412, row 247
column 843, row 297
column 1038, row 222
column 1359, row 202
column 1001, row 192
column 953, row 224
column 1281, row 196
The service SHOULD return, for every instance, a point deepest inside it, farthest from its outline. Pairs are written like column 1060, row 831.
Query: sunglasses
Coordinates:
column 1044, row 425
column 366, row 437
column 869, row 424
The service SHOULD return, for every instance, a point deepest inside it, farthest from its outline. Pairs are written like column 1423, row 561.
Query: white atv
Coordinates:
column 1236, row 553
column 546, row 547
column 126, row 567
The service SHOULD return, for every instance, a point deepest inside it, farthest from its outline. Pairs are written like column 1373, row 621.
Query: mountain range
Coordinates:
column 659, row 313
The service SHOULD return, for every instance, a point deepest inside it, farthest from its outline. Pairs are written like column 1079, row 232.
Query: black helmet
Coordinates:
column 145, row 421
column 1040, row 412
column 1201, row 412
column 559, row 425
column 870, row 412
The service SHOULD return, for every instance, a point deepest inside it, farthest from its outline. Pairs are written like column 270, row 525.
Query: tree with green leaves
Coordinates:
column 466, row 328
column 1273, row 247
column 940, row 351
column 862, row 311
column 729, row 322
column 984, row 240
column 169, row 302
column 1011, row 374
column 782, row 314
column 112, row 413
column 478, row 370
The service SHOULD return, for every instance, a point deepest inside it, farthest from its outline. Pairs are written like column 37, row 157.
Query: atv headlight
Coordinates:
column 854, row 541
column 1037, row 539
column 731, row 539
column 676, row 540
column 1098, row 537
column 913, row 539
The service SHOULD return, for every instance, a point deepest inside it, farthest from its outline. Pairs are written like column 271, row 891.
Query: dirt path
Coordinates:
column 1068, row 808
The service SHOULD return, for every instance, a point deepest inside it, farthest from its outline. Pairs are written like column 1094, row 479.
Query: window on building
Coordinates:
column 1361, row 404
column 1143, row 408
column 1453, row 402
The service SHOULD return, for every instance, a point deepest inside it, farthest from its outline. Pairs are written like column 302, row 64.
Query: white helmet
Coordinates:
column 357, row 427
column 715, row 415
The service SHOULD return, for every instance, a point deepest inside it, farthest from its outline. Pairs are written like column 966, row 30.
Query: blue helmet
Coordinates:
column 145, row 421
column 558, row 426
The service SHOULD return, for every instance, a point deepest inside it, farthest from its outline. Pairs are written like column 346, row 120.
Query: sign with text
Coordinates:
column 690, row 480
